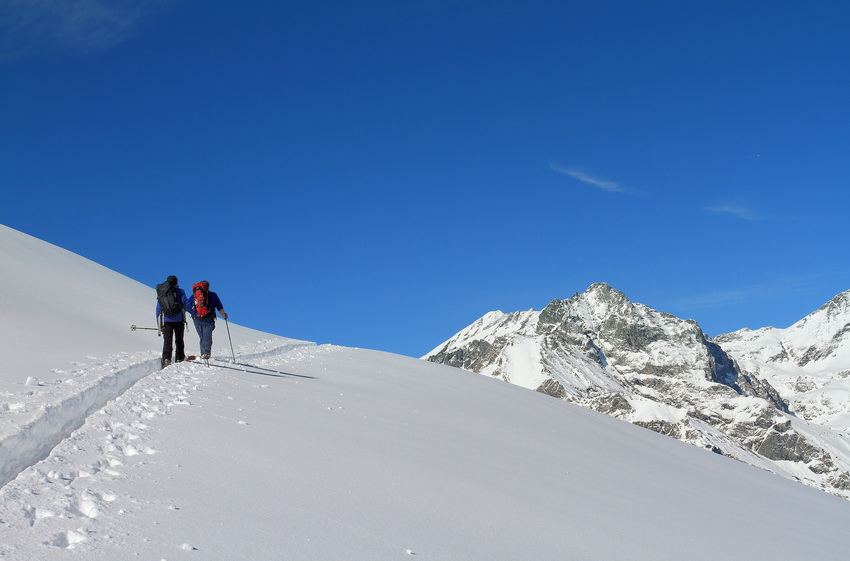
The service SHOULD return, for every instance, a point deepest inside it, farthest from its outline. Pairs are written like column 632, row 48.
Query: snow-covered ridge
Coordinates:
column 59, row 308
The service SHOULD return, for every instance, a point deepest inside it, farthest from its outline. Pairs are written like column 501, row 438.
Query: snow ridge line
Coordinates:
column 280, row 350
column 34, row 441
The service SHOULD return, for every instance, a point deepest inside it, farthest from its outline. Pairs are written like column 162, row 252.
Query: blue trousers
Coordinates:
column 205, row 328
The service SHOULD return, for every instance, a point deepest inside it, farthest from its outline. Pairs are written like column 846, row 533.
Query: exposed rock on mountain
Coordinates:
column 602, row 351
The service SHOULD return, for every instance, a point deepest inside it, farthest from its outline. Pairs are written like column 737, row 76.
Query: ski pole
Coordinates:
column 231, row 340
column 135, row 327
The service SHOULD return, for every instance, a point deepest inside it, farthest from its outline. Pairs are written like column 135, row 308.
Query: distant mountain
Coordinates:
column 808, row 363
column 602, row 351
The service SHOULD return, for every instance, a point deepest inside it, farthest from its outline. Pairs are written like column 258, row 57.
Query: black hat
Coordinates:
column 171, row 279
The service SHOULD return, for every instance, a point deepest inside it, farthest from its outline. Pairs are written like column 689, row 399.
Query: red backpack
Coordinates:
column 201, row 299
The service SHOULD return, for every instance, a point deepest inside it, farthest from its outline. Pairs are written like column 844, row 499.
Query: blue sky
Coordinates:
column 380, row 174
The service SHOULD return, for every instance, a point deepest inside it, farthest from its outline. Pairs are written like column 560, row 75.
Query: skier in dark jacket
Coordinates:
column 172, row 327
column 205, row 325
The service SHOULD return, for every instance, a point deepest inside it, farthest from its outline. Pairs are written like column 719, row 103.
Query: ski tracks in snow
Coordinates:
column 55, row 411
column 62, row 470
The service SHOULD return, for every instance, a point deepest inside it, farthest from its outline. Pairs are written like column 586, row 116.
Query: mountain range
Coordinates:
column 778, row 399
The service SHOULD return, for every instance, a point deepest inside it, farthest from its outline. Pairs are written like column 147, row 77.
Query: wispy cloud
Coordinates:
column 744, row 213
column 82, row 26
column 601, row 184
column 736, row 211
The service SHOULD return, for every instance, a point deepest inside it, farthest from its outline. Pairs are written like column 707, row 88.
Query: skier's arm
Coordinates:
column 216, row 302
column 188, row 305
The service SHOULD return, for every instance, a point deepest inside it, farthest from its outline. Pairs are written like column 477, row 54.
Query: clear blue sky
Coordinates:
column 380, row 174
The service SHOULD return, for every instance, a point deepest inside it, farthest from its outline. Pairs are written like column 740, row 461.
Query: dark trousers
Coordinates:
column 172, row 329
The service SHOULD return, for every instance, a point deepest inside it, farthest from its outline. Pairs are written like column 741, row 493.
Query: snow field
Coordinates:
column 326, row 453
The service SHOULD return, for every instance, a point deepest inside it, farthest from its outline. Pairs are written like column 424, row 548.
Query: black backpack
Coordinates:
column 166, row 295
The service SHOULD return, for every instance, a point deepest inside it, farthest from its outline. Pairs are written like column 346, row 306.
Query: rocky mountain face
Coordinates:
column 735, row 395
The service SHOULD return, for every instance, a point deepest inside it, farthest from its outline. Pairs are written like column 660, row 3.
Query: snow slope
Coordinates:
column 59, row 308
column 308, row 452
column 67, row 344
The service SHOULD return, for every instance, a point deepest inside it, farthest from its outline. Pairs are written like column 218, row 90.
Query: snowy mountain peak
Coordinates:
column 602, row 351
column 602, row 291
column 808, row 362
column 817, row 343
column 838, row 303
column 831, row 317
column 598, row 301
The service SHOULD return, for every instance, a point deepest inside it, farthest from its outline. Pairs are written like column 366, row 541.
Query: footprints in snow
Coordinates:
column 69, row 539
column 74, row 498
column 69, row 508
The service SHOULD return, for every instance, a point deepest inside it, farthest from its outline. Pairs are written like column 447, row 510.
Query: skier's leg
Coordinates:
column 200, row 331
column 180, row 354
column 209, row 337
column 167, row 343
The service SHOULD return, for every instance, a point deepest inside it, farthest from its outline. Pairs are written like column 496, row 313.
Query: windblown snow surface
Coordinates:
column 304, row 452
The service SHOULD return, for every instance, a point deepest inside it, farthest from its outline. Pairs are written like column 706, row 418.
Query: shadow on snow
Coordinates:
column 259, row 370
